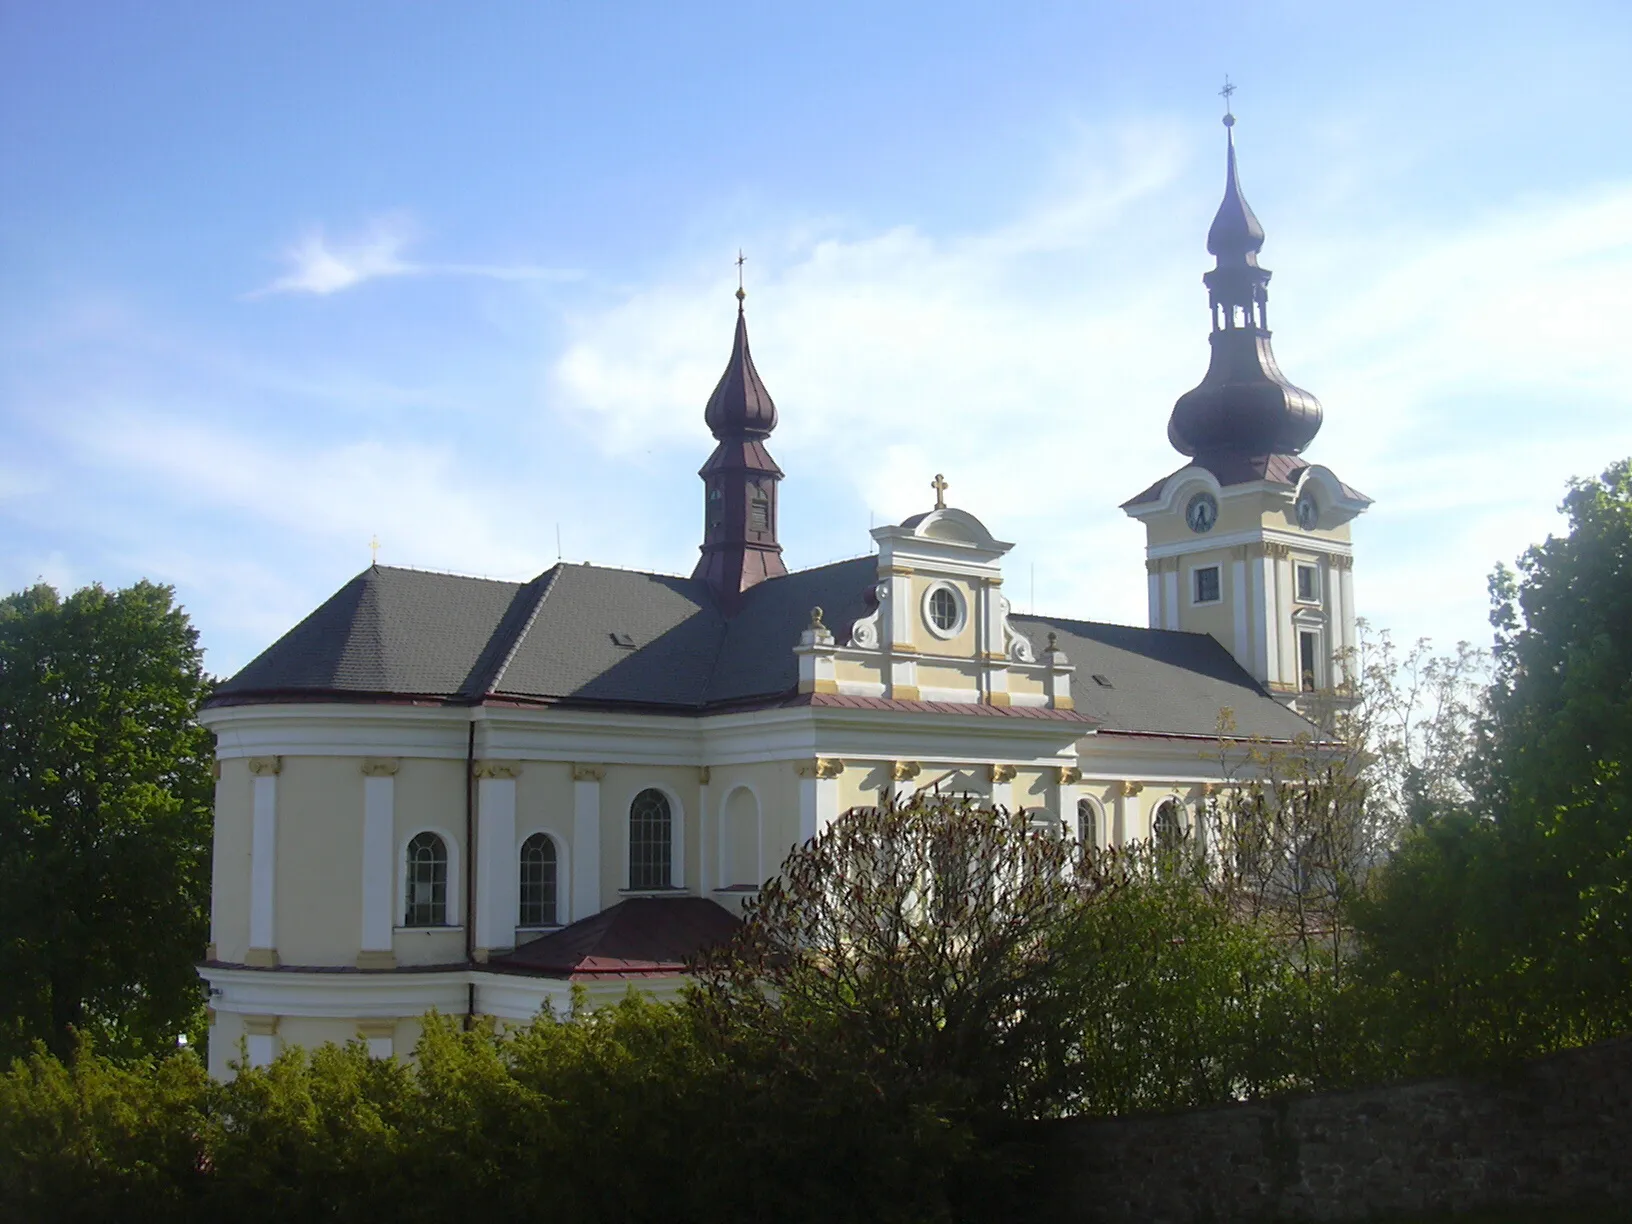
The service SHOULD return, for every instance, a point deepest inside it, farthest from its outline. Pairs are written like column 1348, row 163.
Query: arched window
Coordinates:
column 1087, row 823
column 538, row 881
column 427, row 875
column 1167, row 826
column 651, row 844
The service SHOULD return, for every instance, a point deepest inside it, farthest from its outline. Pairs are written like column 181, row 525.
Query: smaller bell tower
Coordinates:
column 739, row 480
column 1249, row 542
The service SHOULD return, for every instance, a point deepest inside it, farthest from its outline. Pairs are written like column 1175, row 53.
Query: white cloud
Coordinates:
column 320, row 265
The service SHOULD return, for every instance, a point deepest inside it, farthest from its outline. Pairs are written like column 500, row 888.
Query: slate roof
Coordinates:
column 605, row 638
column 1160, row 682
column 637, row 937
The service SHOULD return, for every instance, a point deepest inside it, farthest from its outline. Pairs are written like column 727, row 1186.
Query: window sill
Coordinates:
column 671, row 891
column 739, row 888
column 415, row 930
column 540, row 930
column 1205, row 603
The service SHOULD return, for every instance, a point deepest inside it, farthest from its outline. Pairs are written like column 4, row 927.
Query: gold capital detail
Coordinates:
column 821, row 767
column 588, row 773
column 266, row 767
column 1132, row 788
column 903, row 771
column 1069, row 775
column 497, row 769
column 379, row 767
column 1002, row 773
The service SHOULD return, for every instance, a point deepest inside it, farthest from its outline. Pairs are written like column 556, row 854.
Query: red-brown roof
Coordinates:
column 637, row 937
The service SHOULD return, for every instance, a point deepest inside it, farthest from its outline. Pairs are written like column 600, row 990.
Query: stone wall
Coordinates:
column 1551, row 1133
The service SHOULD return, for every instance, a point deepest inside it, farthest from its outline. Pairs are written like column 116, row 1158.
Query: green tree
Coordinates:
column 1504, row 925
column 105, row 796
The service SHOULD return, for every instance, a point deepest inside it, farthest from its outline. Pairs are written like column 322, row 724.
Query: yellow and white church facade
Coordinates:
column 474, row 796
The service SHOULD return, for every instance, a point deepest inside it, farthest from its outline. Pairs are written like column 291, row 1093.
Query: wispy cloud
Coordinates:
column 320, row 264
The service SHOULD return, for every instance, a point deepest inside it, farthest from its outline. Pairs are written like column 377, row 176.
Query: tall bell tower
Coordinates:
column 740, row 479
column 1249, row 541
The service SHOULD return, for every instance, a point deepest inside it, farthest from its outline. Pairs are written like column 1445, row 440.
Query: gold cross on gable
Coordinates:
column 940, row 486
column 374, row 549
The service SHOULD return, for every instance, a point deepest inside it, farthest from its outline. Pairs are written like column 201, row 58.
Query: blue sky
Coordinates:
column 278, row 278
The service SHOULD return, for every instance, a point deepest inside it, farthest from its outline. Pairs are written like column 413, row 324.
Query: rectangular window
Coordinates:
column 1308, row 655
column 1308, row 584
column 1206, row 582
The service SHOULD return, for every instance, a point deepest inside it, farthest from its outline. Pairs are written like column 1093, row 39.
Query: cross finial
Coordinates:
column 940, row 486
column 741, row 259
column 374, row 549
column 1229, row 119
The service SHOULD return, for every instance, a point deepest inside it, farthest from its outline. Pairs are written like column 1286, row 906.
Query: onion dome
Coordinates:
column 1244, row 405
column 740, row 404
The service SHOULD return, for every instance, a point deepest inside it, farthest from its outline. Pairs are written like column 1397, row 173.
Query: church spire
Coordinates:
column 1244, row 406
column 740, row 478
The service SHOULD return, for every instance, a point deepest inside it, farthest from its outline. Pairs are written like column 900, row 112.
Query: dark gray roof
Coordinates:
column 619, row 638
column 1161, row 681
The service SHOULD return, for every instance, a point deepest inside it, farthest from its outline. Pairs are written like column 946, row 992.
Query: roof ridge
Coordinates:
column 554, row 575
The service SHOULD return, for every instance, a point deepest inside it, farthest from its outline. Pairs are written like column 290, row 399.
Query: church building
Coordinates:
column 471, row 795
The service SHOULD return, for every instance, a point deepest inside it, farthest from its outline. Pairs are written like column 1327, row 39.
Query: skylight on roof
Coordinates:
column 624, row 640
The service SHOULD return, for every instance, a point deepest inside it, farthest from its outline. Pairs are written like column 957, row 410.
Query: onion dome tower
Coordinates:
column 1244, row 408
column 1250, row 542
column 740, row 479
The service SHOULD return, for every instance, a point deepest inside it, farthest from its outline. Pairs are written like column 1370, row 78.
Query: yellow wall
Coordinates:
column 229, row 867
column 619, row 788
column 320, row 865
column 931, row 643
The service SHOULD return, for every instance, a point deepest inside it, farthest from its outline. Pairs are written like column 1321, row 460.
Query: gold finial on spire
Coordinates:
column 940, row 486
column 741, row 259
column 1229, row 119
column 374, row 549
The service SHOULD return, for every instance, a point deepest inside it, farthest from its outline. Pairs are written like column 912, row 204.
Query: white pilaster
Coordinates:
column 1243, row 626
column 1153, row 584
column 1351, row 636
column 586, row 840
column 1002, row 777
column 1070, row 791
column 818, row 795
column 1170, row 588
column 263, row 860
column 498, row 875
column 1267, row 649
column 379, row 864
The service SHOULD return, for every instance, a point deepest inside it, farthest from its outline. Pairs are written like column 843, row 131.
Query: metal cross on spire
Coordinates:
column 374, row 550
column 1229, row 119
column 741, row 259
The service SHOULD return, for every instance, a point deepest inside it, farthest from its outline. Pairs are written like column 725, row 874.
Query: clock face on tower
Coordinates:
column 1201, row 513
column 1308, row 512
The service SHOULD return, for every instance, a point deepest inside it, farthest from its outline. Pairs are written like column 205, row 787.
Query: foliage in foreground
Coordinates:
column 105, row 797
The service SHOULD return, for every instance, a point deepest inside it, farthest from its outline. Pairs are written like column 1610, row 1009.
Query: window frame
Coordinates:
column 1196, row 572
column 1299, row 569
column 1088, row 806
column 453, row 914
column 959, row 623
column 562, row 877
column 1313, row 672
column 677, row 824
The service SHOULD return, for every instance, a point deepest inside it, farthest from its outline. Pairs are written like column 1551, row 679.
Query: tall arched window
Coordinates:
column 538, row 881
column 1167, row 826
column 427, row 875
column 1087, row 823
column 651, row 844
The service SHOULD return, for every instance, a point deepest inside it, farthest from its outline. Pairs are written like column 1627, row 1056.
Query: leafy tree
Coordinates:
column 105, row 796
column 1504, row 926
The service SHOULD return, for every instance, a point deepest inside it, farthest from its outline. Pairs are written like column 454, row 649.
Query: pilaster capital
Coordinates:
column 1241, row 552
column 588, row 773
column 1002, row 773
column 1341, row 561
column 821, row 767
column 1129, row 789
column 1153, row 565
column 895, row 571
column 496, row 769
column 379, row 767
column 266, row 766
column 704, row 775
column 904, row 771
column 1068, row 775
column 1277, row 550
